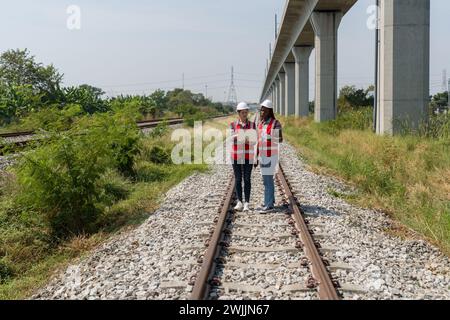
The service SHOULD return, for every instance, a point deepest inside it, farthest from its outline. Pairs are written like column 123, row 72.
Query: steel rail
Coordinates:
column 140, row 124
column 326, row 288
column 202, row 285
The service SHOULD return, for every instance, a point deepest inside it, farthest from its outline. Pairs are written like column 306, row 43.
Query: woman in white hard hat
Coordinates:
column 244, row 139
column 269, row 137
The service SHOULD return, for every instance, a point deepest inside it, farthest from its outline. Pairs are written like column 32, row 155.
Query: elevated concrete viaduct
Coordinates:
column 403, row 73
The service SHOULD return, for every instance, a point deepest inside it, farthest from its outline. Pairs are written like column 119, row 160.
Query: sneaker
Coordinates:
column 265, row 210
column 246, row 207
column 239, row 206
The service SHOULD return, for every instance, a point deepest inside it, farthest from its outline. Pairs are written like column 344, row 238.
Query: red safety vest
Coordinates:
column 239, row 151
column 266, row 146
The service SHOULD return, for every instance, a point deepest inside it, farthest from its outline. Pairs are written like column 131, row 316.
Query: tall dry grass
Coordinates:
column 407, row 176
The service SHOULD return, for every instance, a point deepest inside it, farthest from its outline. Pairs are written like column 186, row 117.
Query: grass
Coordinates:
column 34, row 122
column 406, row 176
column 28, row 260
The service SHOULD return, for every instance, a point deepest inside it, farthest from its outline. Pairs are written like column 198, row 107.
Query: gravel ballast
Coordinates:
column 157, row 259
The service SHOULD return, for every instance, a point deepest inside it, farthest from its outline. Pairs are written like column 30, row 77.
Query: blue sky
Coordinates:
column 136, row 46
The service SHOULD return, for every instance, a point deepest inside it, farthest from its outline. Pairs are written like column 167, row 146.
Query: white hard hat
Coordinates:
column 268, row 104
column 242, row 106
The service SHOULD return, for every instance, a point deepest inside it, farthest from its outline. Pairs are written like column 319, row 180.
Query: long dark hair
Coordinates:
column 271, row 114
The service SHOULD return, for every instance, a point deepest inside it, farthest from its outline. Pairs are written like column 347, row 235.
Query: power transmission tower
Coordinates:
column 232, row 95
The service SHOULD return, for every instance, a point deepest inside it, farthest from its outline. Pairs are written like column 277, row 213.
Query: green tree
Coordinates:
column 90, row 98
column 185, row 110
column 179, row 97
column 19, row 68
column 439, row 101
column 352, row 98
column 159, row 99
column 17, row 101
column 200, row 100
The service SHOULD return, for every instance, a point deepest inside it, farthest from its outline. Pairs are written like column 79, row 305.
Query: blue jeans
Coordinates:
column 269, row 191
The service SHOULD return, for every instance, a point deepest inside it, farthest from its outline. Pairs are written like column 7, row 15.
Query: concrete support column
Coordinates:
column 271, row 93
column 282, row 95
column 404, row 76
column 302, row 55
column 325, row 26
column 290, row 88
column 277, row 95
column 274, row 97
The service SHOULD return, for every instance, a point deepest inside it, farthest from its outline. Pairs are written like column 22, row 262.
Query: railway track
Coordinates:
column 253, row 256
column 19, row 140
column 141, row 124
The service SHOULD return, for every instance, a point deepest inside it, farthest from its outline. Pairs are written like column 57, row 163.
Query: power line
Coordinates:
column 161, row 82
column 249, row 74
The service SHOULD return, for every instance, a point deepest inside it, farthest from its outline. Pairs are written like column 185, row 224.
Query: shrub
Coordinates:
column 360, row 119
column 159, row 155
column 116, row 186
column 121, row 136
column 160, row 131
column 53, row 118
column 63, row 179
column 191, row 119
column 438, row 127
column 6, row 271
column 88, row 97
column 148, row 172
column 60, row 180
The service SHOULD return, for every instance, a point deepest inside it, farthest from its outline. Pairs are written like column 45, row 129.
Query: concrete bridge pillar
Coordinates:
column 272, row 95
column 290, row 88
column 277, row 95
column 282, row 94
column 301, row 55
column 404, row 76
column 325, row 26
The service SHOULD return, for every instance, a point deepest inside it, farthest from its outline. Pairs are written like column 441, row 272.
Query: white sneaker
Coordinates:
column 246, row 207
column 239, row 206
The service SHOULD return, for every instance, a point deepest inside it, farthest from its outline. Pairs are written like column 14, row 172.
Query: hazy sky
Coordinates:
column 137, row 46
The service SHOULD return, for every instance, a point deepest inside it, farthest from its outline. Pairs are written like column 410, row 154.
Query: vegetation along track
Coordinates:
column 15, row 141
column 280, row 242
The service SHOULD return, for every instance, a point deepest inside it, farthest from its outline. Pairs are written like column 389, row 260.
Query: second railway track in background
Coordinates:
column 22, row 138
